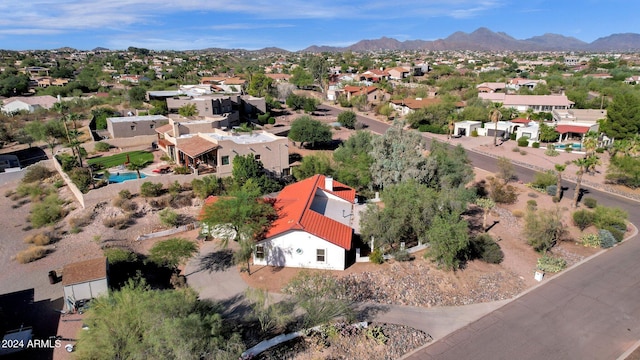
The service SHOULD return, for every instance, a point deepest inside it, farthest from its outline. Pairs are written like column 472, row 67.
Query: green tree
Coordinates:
column 207, row 185
column 311, row 165
column 301, row 78
column 347, row 119
column 246, row 167
column 623, row 116
column 259, row 85
column 448, row 239
column 136, row 322
column 397, row 157
column 449, row 167
column 547, row 133
column 136, row 166
column 307, row 130
column 495, row 116
column 584, row 164
column 172, row 252
column 486, row 205
column 188, row 110
column 243, row 216
column 137, row 94
column 13, row 84
column 353, row 161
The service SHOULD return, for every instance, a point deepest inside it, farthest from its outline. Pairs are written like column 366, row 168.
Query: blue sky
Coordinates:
column 294, row 24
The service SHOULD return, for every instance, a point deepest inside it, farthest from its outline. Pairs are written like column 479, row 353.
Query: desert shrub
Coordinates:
column 590, row 202
column 149, row 189
column 483, row 247
column 32, row 253
column 590, row 240
column 160, row 203
column 101, row 146
column 36, row 173
column 474, row 133
column 615, row 231
column 502, row 193
column 175, row 188
column 551, row 151
column 512, row 136
column 376, row 256
column 81, row 221
column 375, row 333
column 271, row 120
column 522, row 152
column 34, row 190
column 535, row 145
column 542, row 179
column 515, row 149
column 181, row 170
column 551, row 190
column 532, row 204
column 39, row 239
column 568, row 149
column 606, row 239
column 532, row 195
column 523, row 141
column 555, row 199
column 543, row 228
column 125, row 204
column 610, row 217
column 169, row 217
column 583, row 219
column 118, row 222
column 600, row 150
column 180, row 201
column 118, row 255
column 125, row 194
column 551, row 264
column 47, row 212
column 402, row 255
column 81, row 177
column 518, row 213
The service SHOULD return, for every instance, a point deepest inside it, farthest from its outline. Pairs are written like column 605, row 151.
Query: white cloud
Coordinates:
column 249, row 26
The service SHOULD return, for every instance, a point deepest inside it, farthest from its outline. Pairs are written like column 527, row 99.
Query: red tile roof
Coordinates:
column 563, row 129
column 521, row 121
column 359, row 90
column 196, row 146
column 294, row 213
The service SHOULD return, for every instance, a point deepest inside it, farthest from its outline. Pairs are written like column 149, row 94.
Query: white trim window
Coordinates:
column 321, row 255
column 260, row 252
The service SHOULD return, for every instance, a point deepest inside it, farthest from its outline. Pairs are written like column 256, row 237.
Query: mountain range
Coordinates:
column 484, row 39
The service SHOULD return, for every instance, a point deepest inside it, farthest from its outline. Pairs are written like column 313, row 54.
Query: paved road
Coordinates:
column 589, row 312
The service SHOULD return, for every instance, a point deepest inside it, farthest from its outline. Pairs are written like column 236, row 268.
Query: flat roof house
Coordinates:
column 130, row 126
column 27, row 103
column 546, row 103
column 197, row 143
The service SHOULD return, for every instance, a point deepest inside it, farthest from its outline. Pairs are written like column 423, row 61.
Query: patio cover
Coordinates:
column 196, row 146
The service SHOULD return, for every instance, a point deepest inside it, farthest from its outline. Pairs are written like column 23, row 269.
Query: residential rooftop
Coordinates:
column 138, row 118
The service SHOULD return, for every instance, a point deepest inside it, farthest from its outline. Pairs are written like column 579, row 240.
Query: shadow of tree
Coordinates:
column 216, row 261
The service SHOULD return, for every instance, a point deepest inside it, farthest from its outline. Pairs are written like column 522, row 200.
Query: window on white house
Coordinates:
column 321, row 255
column 259, row 252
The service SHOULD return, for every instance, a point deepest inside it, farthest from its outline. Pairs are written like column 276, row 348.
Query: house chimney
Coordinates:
column 328, row 183
column 176, row 129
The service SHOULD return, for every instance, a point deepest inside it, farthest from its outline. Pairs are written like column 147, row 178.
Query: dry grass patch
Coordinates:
column 118, row 222
column 30, row 254
column 40, row 239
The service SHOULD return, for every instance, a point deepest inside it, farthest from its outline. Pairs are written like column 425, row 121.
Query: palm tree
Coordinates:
column 584, row 164
column 486, row 204
column 590, row 142
column 495, row 115
column 559, row 169
column 136, row 166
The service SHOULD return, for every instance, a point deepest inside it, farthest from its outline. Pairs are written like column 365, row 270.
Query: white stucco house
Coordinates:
column 464, row 128
column 314, row 227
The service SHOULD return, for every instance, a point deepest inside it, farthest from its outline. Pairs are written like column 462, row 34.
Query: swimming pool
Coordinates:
column 124, row 176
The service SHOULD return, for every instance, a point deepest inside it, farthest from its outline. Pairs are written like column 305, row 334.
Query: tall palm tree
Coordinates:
column 590, row 142
column 136, row 166
column 495, row 115
column 584, row 164
column 559, row 169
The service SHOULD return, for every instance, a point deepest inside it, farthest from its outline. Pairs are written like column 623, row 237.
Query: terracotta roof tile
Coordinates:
column 84, row 271
column 563, row 129
column 294, row 213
